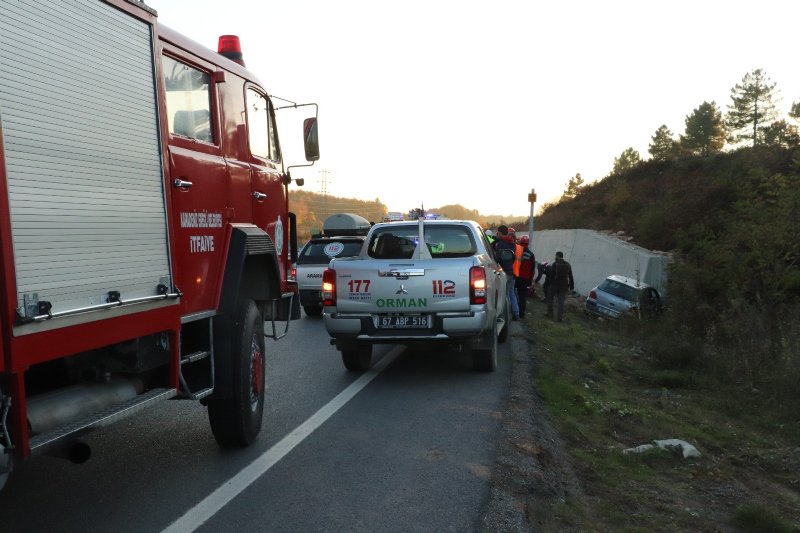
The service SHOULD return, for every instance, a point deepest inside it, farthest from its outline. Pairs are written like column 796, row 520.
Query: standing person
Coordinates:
column 543, row 269
column 527, row 266
column 504, row 249
column 561, row 272
column 517, row 264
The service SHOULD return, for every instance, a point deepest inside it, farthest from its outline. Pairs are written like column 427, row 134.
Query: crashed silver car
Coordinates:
column 618, row 295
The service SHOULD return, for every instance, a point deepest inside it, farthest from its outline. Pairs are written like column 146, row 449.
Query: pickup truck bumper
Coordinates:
column 311, row 297
column 446, row 327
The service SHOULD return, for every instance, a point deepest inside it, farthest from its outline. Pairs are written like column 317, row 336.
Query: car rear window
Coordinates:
column 399, row 242
column 321, row 252
column 621, row 290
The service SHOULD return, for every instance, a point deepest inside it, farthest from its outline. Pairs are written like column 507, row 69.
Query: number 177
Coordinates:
column 355, row 285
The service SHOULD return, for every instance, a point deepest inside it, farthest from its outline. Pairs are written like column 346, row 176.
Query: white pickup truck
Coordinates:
column 452, row 291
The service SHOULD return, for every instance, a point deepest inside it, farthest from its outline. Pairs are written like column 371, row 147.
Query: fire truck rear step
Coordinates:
column 46, row 441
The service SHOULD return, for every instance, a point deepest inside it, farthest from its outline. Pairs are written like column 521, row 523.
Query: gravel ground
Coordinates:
column 532, row 474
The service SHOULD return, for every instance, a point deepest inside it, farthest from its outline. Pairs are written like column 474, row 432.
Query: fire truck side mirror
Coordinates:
column 310, row 139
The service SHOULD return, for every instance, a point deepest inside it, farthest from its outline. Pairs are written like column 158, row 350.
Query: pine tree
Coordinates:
column 574, row 185
column 795, row 111
column 705, row 130
column 753, row 108
column 781, row 133
column 627, row 160
column 662, row 146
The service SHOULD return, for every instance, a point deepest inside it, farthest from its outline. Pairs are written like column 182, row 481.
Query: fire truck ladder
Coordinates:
column 197, row 359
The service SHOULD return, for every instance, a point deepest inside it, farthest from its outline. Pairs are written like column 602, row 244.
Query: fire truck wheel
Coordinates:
column 312, row 310
column 236, row 421
column 484, row 358
column 358, row 359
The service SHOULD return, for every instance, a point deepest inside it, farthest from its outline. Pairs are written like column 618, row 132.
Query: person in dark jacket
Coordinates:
column 504, row 249
column 562, row 281
column 542, row 269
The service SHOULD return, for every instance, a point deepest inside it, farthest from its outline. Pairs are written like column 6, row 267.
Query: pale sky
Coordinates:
column 441, row 102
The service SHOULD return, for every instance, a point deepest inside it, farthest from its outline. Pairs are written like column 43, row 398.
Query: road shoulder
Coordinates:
column 532, row 476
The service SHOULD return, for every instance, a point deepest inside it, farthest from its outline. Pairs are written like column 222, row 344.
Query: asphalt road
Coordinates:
column 409, row 446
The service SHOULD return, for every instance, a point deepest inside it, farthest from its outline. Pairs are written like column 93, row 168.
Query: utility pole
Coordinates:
column 323, row 190
column 532, row 200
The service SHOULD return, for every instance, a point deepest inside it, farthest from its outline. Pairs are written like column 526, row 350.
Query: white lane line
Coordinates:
column 208, row 507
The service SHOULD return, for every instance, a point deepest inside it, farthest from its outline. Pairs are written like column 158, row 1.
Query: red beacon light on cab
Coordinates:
column 230, row 47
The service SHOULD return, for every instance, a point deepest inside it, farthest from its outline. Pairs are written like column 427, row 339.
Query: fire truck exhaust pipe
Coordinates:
column 61, row 407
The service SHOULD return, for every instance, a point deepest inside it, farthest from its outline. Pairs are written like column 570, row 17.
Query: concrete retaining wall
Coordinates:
column 594, row 256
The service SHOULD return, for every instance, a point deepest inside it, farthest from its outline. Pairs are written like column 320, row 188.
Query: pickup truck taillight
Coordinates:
column 329, row 287
column 477, row 285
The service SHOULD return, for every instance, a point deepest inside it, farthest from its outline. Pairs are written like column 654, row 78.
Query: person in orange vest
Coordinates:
column 527, row 266
column 517, row 263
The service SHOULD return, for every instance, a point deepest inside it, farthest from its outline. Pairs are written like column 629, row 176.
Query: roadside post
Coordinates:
column 532, row 200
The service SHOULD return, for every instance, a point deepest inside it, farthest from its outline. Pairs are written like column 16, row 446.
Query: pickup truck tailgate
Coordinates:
column 392, row 286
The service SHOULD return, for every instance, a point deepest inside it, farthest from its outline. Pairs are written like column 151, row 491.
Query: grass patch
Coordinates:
column 756, row 519
column 606, row 391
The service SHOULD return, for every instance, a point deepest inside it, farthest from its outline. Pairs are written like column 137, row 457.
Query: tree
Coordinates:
column 416, row 213
column 781, row 133
column 574, row 185
column 627, row 160
column 705, row 130
column 662, row 146
column 795, row 111
column 458, row 212
column 753, row 108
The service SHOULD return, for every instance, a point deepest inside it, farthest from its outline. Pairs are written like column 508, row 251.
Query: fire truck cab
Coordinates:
column 144, row 225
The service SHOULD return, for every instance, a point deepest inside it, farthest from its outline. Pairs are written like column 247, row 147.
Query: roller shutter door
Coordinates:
column 82, row 152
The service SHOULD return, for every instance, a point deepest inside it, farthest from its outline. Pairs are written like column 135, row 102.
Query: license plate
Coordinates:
column 406, row 321
column 608, row 312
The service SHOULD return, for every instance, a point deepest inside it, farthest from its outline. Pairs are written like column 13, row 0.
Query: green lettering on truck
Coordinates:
column 401, row 302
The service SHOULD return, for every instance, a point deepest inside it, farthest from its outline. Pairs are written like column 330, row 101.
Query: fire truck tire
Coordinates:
column 236, row 420
column 313, row 310
column 358, row 359
column 484, row 359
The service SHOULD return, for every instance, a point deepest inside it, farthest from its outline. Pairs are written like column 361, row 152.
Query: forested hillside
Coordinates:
column 312, row 209
column 733, row 223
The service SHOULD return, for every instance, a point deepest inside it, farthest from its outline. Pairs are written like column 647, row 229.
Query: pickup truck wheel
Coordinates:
column 236, row 420
column 504, row 332
column 312, row 310
column 485, row 359
column 358, row 359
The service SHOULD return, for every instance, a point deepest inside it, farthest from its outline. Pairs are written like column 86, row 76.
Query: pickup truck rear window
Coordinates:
column 443, row 241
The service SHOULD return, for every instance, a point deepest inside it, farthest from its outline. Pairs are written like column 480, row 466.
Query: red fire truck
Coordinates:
column 144, row 227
